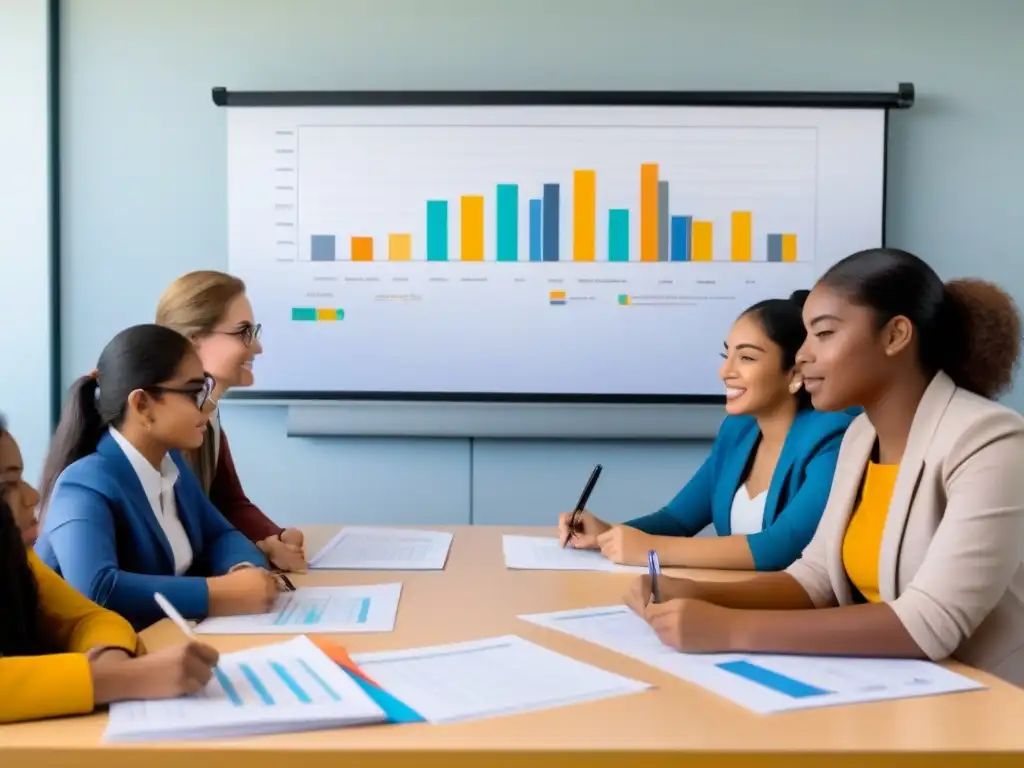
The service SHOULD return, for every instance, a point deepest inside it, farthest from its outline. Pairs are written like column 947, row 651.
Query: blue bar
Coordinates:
column 618, row 234
column 321, row 248
column 293, row 686
column 257, row 684
column 681, row 238
column 286, row 615
column 508, row 222
column 319, row 680
column 437, row 230
column 775, row 248
column 787, row 686
column 315, row 613
column 535, row 220
column 228, row 687
column 550, row 222
column 364, row 611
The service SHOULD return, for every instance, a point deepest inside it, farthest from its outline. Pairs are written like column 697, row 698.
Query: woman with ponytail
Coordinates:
column 765, row 484
column 920, row 552
column 123, row 516
column 61, row 654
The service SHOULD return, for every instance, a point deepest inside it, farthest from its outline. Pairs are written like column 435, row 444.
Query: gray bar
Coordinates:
column 775, row 248
column 663, row 232
column 321, row 248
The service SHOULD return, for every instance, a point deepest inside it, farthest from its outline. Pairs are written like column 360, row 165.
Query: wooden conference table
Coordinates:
column 675, row 724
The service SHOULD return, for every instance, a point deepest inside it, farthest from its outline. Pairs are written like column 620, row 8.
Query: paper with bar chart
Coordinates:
column 534, row 249
column 322, row 610
column 760, row 682
column 290, row 686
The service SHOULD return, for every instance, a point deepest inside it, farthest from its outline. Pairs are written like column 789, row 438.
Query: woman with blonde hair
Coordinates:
column 211, row 309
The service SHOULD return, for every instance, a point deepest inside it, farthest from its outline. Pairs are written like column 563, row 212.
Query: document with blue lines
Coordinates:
column 365, row 608
column 763, row 683
column 277, row 688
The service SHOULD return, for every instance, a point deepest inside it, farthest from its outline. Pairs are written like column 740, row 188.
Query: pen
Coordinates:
column 173, row 615
column 654, row 569
column 588, row 489
column 287, row 582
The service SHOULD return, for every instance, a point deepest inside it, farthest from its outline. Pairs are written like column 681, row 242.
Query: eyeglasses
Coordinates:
column 201, row 393
column 247, row 335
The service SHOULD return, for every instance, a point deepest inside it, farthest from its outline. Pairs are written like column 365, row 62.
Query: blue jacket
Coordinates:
column 796, row 496
column 99, row 532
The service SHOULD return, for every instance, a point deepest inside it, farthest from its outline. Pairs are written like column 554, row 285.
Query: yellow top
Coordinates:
column 862, row 543
column 34, row 687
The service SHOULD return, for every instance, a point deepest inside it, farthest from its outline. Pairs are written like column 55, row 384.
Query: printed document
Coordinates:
column 485, row 678
column 370, row 608
column 760, row 682
column 541, row 553
column 384, row 549
column 278, row 688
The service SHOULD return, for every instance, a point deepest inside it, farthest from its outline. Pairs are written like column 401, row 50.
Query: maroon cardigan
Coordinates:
column 227, row 495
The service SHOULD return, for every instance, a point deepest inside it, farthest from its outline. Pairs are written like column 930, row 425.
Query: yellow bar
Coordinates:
column 362, row 249
column 327, row 314
column 701, row 241
column 649, row 212
column 742, row 235
column 584, row 215
column 472, row 228
column 789, row 247
column 400, row 247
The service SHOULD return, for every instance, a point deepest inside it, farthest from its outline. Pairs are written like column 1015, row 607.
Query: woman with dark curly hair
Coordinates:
column 919, row 552
column 61, row 654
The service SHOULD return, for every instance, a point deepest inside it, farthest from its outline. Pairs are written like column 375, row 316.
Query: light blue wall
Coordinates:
column 25, row 330
column 145, row 197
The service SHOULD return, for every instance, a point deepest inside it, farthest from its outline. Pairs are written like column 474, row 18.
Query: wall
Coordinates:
column 25, row 329
column 144, row 179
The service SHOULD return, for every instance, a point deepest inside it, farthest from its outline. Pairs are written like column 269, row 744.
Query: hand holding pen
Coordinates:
column 580, row 527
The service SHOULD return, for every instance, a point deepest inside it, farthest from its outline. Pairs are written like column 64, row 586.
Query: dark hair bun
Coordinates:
column 799, row 297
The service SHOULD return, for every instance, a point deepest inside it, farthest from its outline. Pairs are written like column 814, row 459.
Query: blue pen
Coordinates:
column 654, row 569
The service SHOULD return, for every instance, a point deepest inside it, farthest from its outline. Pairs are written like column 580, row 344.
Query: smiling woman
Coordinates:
column 211, row 310
column 919, row 552
column 765, row 484
column 122, row 514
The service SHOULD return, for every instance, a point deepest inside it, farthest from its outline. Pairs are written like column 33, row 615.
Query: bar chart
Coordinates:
column 745, row 198
column 664, row 236
column 537, row 249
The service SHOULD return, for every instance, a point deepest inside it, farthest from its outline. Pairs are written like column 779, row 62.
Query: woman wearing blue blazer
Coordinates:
column 765, row 484
column 123, row 517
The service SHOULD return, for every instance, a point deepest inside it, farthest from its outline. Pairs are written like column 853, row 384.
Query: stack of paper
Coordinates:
column 384, row 549
column 484, row 678
column 538, row 553
column 763, row 683
column 316, row 609
column 291, row 686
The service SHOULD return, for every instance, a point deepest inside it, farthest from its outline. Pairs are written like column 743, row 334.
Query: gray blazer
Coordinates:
column 952, row 558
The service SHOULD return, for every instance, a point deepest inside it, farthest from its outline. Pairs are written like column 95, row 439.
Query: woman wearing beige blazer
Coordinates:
column 919, row 552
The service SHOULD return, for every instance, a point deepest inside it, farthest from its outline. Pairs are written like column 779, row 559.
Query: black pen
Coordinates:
column 588, row 489
column 287, row 582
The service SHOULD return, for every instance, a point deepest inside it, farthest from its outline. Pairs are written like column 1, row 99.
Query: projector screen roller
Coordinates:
column 532, row 251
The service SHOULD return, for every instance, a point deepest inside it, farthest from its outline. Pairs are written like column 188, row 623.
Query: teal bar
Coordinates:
column 508, row 222
column 304, row 314
column 437, row 230
column 618, row 234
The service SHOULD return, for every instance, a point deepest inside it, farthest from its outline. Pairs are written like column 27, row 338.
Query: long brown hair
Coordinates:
column 193, row 305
